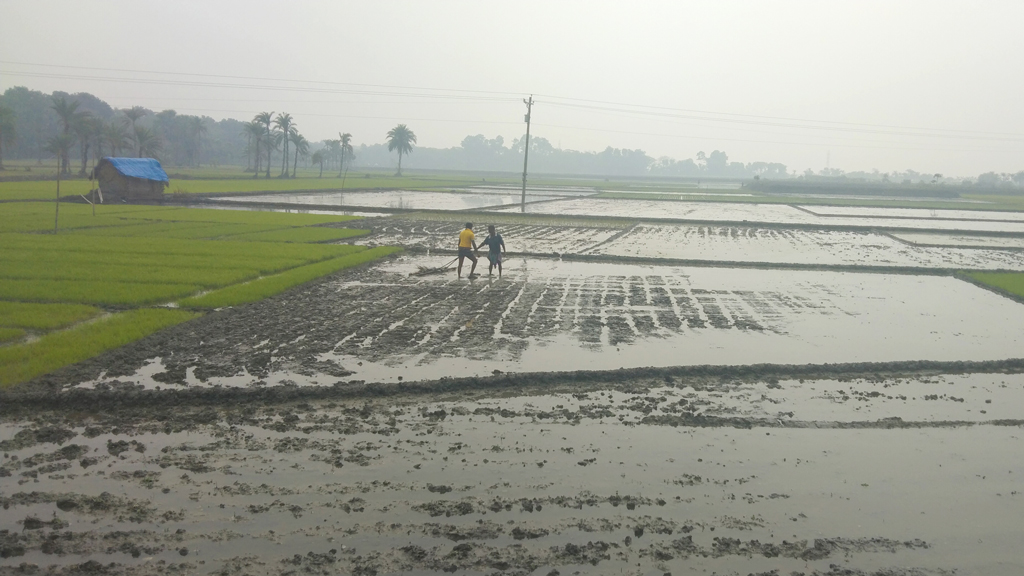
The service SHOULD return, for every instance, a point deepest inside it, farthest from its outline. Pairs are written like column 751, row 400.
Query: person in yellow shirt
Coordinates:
column 467, row 245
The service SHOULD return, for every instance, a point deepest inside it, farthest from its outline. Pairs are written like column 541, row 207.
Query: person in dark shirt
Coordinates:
column 495, row 247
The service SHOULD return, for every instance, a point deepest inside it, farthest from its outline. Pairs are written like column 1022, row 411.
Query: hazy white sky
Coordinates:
column 929, row 85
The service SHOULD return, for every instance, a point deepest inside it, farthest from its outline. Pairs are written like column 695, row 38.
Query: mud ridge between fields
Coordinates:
column 30, row 397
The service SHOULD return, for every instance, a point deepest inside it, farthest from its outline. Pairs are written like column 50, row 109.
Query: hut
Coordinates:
column 129, row 180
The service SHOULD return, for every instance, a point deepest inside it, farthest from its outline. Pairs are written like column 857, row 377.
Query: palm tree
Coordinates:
column 60, row 146
column 7, row 130
column 254, row 131
column 301, row 148
column 401, row 138
column 264, row 118
column 133, row 114
column 332, row 149
column 68, row 114
column 318, row 157
column 147, row 142
column 284, row 123
column 85, row 127
column 346, row 147
column 115, row 135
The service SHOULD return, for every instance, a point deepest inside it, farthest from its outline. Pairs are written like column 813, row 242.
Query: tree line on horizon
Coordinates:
column 34, row 125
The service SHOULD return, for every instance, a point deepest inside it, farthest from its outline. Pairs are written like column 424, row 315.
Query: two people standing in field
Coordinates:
column 468, row 245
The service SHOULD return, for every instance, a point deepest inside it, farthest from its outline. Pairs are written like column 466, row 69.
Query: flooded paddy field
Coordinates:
column 915, row 213
column 884, row 475
column 546, row 315
column 960, row 241
column 742, row 212
column 811, row 247
column 596, row 412
column 394, row 199
column 533, row 238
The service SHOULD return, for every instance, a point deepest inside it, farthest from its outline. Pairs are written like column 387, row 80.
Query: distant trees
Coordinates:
column 69, row 116
column 400, row 138
column 115, row 135
column 7, row 130
column 147, row 143
column 301, row 148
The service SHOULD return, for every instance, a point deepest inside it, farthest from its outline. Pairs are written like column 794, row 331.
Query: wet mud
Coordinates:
column 604, row 417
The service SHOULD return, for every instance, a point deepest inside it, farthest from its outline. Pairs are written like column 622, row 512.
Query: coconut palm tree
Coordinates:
column 346, row 147
column 60, row 145
column 400, row 138
column 147, row 142
column 68, row 114
column 318, row 157
column 284, row 123
column 265, row 119
column 133, row 114
column 85, row 128
column 7, row 130
column 115, row 135
column 301, row 148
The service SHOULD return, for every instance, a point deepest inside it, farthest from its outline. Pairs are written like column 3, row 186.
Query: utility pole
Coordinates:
column 526, row 151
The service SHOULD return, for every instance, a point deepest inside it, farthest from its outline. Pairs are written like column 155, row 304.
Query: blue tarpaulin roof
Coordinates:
column 146, row 168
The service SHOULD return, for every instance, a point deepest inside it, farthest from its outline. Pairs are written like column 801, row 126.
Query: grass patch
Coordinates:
column 211, row 277
column 10, row 334
column 1012, row 282
column 270, row 285
column 43, row 316
column 92, row 292
column 300, row 235
column 22, row 362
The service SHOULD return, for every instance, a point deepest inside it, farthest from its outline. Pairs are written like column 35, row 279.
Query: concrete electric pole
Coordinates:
column 526, row 150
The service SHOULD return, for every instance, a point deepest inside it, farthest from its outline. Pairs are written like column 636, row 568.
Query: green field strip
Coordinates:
column 158, row 274
column 224, row 249
column 1012, row 282
column 43, row 189
column 240, row 217
column 250, row 262
column 92, row 292
column 134, row 228
column 299, row 235
column 22, row 362
column 11, row 334
column 43, row 316
column 269, row 285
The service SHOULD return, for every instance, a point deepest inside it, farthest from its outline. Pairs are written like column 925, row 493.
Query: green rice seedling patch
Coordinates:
column 43, row 189
column 11, row 334
column 58, row 259
column 152, row 229
column 92, row 292
column 269, row 285
column 300, row 235
column 211, row 277
column 43, row 316
column 22, row 362
column 1012, row 282
column 226, row 250
column 281, row 219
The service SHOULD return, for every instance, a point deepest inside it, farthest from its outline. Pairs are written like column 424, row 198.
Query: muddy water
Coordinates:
column 382, row 325
column 399, row 199
column 916, row 213
column 960, row 240
column 827, row 247
column 535, row 239
column 799, row 477
column 736, row 212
